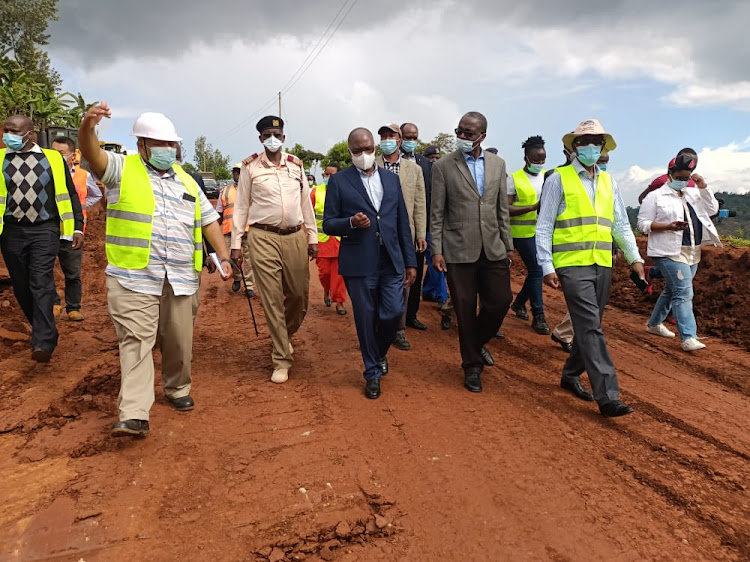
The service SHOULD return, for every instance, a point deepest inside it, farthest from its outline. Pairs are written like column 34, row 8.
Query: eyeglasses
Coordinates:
column 468, row 135
column 358, row 151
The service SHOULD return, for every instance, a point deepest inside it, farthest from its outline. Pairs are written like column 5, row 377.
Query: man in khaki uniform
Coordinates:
column 412, row 187
column 273, row 198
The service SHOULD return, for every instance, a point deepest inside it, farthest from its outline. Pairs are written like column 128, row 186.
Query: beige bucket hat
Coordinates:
column 590, row 127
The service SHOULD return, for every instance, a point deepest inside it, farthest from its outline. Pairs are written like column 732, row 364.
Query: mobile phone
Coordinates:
column 640, row 283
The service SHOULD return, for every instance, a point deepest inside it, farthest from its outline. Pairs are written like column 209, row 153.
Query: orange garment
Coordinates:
column 80, row 178
column 228, row 195
column 328, row 273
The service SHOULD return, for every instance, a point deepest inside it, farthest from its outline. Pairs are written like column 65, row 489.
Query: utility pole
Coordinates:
column 279, row 104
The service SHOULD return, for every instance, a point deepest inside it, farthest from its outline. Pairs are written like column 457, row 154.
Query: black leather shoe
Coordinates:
column 473, row 382
column 384, row 365
column 129, row 427
column 539, row 325
column 486, row 357
column 184, row 404
column 41, row 355
column 400, row 342
column 500, row 335
column 445, row 323
column 567, row 347
column 520, row 310
column 236, row 286
column 615, row 409
column 577, row 389
column 250, row 293
column 372, row 389
column 416, row 324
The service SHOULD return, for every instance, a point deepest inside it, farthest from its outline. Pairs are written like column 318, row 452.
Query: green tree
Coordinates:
column 308, row 157
column 445, row 141
column 339, row 152
column 189, row 167
column 23, row 30
column 209, row 159
column 222, row 174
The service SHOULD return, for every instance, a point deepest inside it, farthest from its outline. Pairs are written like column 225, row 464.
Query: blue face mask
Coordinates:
column 162, row 157
column 388, row 146
column 409, row 146
column 678, row 185
column 535, row 168
column 464, row 145
column 325, row 181
column 602, row 167
column 589, row 154
column 14, row 142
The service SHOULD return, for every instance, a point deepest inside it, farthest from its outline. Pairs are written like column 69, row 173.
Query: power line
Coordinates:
column 303, row 67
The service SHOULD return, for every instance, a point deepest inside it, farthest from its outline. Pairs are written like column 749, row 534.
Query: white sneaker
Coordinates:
column 660, row 330
column 692, row 344
column 280, row 376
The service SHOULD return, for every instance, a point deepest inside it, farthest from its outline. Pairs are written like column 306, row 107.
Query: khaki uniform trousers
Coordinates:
column 138, row 318
column 282, row 273
column 247, row 267
column 564, row 330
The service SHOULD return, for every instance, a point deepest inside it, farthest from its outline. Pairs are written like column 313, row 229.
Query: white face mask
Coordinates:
column 364, row 161
column 273, row 144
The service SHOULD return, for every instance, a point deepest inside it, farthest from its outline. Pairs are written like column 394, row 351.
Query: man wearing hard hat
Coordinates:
column 157, row 217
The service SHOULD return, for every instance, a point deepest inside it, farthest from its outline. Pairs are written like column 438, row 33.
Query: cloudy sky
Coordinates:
column 658, row 75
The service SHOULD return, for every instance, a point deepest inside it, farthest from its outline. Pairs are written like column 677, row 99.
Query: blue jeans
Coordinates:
column 677, row 295
column 532, row 287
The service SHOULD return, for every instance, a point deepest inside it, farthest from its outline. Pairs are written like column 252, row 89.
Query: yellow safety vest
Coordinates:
column 320, row 205
column 130, row 220
column 62, row 197
column 583, row 232
column 524, row 226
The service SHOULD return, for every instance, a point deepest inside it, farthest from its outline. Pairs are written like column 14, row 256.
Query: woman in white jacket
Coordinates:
column 677, row 221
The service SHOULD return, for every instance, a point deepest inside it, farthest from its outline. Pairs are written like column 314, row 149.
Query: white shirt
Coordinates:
column 537, row 181
column 373, row 186
column 664, row 205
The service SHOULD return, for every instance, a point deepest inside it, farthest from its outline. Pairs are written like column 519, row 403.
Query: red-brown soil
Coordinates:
column 312, row 470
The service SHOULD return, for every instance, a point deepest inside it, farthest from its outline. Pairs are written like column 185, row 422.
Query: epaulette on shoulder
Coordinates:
column 295, row 159
column 249, row 159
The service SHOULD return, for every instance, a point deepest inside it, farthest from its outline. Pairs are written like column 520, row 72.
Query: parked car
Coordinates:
column 212, row 188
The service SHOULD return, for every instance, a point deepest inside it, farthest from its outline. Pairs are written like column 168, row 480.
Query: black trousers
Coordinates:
column 415, row 294
column 29, row 253
column 70, row 263
column 490, row 281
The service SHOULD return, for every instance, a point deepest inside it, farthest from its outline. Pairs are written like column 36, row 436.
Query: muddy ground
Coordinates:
column 312, row 470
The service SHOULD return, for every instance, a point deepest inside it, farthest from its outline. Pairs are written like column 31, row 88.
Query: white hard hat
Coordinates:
column 155, row 126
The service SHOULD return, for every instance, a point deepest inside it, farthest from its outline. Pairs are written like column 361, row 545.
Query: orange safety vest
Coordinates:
column 228, row 195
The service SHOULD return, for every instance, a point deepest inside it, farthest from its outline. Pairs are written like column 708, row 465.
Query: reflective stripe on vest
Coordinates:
column 320, row 205
column 80, row 178
column 130, row 220
column 583, row 232
column 62, row 198
column 524, row 226
column 228, row 197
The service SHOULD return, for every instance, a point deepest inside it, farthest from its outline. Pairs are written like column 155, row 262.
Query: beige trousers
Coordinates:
column 282, row 273
column 138, row 318
column 247, row 267
column 564, row 330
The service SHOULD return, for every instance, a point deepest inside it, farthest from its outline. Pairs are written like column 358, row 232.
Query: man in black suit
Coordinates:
column 365, row 206
column 409, row 141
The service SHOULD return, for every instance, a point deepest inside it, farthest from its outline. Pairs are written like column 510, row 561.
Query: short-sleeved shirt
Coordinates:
column 537, row 181
column 172, row 237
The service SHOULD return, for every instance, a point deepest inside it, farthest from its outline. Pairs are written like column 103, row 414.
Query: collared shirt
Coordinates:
column 93, row 193
column 273, row 195
column 476, row 167
column 553, row 205
column 394, row 167
column 172, row 237
column 373, row 186
column 409, row 156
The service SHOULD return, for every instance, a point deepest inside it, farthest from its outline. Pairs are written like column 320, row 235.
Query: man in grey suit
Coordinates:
column 470, row 230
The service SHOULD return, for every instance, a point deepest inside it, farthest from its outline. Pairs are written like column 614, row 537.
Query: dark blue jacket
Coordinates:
column 359, row 254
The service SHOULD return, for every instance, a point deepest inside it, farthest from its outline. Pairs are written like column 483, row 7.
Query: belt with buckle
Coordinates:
column 276, row 229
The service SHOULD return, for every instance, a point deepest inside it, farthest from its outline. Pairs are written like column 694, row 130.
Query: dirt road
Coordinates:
column 312, row 470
